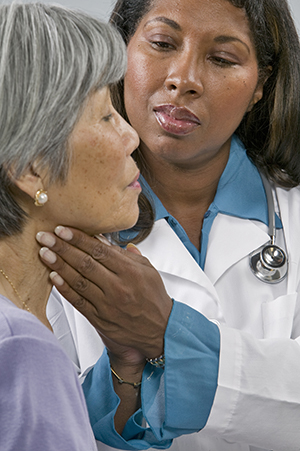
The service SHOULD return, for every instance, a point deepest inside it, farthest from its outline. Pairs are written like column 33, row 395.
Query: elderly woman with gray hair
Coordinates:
column 65, row 156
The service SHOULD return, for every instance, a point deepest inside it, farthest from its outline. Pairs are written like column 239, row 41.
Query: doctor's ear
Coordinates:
column 259, row 91
column 256, row 96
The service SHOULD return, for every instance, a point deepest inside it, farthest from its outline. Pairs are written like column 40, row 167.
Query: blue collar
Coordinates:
column 240, row 193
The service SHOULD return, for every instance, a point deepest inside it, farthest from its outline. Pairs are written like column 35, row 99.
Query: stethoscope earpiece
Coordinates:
column 269, row 263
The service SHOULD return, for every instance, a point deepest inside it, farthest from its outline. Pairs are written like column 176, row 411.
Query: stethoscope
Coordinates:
column 269, row 262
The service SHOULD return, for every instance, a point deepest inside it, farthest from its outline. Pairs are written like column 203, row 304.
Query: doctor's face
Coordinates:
column 101, row 191
column 192, row 75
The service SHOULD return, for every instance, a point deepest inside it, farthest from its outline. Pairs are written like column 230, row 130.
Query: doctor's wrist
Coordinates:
column 158, row 362
column 127, row 369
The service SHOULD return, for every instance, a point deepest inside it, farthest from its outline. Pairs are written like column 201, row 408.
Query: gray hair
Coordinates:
column 51, row 59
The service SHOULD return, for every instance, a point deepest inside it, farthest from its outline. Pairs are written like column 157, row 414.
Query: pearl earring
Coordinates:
column 40, row 198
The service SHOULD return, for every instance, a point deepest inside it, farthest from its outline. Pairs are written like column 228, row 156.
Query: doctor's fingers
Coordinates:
column 70, row 281
column 80, row 301
column 100, row 316
column 131, row 309
column 75, row 246
column 121, row 314
column 93, row 281
column 88, row 298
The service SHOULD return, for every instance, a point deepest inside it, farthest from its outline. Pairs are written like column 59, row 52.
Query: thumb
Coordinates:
column 132, row 248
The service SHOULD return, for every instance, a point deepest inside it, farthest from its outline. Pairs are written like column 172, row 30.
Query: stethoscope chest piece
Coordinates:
column 269, row 263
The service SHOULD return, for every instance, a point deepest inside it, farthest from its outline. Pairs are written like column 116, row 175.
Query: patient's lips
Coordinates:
column 135, row 183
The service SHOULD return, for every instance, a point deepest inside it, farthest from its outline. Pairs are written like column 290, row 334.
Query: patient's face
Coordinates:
column 101, row 191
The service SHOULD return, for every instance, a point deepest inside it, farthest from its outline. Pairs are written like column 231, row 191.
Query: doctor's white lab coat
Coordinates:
column 257, row 403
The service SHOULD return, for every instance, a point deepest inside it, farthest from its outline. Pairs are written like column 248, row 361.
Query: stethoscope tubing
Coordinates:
column 269, row 263
column 271, row 208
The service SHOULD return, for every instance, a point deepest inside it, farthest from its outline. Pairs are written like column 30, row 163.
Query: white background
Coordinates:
column 295, row 7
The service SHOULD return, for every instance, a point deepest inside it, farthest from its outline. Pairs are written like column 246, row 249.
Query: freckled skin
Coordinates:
column 96, row 197
column 195, row 67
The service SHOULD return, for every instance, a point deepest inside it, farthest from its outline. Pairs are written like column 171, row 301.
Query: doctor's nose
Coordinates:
column 185, row 75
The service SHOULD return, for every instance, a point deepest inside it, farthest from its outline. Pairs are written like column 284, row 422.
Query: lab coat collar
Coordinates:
column 66, row 322
column 231, row 240
column 240, row 194
column 240, row 190
column 237, row 239
column 168, row 254
column 87, row 355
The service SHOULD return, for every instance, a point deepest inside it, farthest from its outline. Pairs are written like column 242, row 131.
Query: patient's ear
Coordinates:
column 29, row 182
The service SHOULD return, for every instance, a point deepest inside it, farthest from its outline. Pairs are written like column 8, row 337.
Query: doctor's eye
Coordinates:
column 162, row 45
column 222, row 62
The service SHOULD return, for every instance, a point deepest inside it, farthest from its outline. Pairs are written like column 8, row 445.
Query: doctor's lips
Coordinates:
column 176, row 120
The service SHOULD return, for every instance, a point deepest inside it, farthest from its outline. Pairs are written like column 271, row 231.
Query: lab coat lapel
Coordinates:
column 88, row 343
column 183, row 278
column 230, row 240
column 290, row 218
column 168, row 254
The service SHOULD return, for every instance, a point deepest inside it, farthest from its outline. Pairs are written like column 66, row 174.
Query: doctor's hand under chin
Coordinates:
column 117, row 290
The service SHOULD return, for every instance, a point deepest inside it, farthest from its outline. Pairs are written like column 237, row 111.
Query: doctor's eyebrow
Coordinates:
column 167, row 21
column 224, row 39
column 171, row 23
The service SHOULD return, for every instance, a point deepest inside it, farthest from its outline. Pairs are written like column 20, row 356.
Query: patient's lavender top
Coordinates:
column 42, row 406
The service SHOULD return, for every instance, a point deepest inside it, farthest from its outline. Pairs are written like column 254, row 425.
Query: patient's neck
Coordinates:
column 28, row 286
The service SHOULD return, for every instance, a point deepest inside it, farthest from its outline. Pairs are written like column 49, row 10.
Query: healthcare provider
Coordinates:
column 213, row 90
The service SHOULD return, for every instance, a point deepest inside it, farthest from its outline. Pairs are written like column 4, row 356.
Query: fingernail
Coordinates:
column 45, row 238
column 47, row 255
column 103, row 239
column 133, row 249
column 64, row 233
column 56, row 279
column 131, row 245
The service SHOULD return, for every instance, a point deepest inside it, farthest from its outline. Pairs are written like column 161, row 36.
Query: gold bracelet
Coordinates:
column 121, row 381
